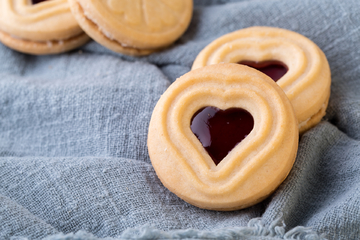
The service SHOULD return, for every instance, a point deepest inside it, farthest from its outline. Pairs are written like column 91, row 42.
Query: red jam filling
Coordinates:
column 38, row 1
column 273, row 68
column 219, row 131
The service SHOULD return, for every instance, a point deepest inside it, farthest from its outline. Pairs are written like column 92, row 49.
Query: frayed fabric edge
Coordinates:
column 255, row 229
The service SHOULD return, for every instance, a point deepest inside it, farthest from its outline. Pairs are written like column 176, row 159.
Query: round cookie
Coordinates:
column 253, row 168
column 47, row 27
column 133, row 27
column 307, row 79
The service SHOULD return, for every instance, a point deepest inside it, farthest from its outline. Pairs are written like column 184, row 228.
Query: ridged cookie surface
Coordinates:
column 43, row 28
column 134, row 27
column 307, row 82
column 254, row 168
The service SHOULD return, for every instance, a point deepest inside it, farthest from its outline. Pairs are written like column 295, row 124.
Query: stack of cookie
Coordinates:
column 223, row 136
column 125, row 26
column 39, row 27
column 133, row 27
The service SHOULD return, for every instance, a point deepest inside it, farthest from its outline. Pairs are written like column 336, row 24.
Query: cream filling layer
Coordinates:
column 106, row 34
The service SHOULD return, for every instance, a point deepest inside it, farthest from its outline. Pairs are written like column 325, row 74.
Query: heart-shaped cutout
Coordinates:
column 273, row 68
column 219, row 131
column 253, row 168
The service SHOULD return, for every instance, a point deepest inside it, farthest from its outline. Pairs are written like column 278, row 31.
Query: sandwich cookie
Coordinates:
column 133, row 27
column 223, row 137
column 296, row 63
column 39, row 27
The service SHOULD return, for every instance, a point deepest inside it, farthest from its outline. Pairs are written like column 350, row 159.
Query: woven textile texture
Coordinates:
column 73, row 131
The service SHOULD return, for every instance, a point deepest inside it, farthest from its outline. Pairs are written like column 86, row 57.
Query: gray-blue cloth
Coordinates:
column 73, row 131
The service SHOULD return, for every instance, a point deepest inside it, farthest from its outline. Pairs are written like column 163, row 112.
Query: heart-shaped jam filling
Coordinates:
column 38, row 1
column 273, row 68
column 219, row 131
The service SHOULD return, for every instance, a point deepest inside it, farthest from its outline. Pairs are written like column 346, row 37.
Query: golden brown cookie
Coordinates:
column 307, row 76
column 47, row 27
column 133, row 27
column 192, row 128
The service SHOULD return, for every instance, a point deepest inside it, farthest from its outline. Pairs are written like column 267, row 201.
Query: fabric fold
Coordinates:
column 73, row 138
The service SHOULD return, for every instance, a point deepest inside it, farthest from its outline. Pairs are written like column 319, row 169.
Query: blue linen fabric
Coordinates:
column 73, row 131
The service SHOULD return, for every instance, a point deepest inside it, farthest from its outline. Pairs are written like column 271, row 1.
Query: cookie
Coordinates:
column 223, row 137
column 133, row 27
column 297, row 64
column 39, row 27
